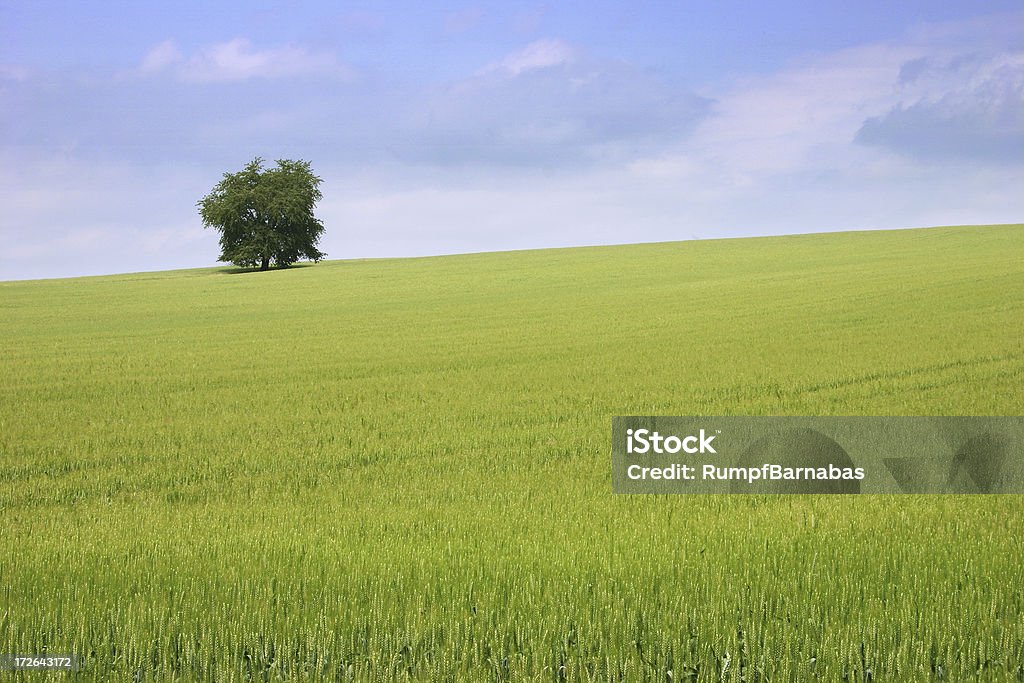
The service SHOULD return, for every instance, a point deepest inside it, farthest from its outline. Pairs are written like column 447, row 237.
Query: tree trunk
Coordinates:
column 266, row 263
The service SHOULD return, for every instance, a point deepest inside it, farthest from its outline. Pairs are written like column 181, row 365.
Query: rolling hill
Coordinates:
column 399, row 469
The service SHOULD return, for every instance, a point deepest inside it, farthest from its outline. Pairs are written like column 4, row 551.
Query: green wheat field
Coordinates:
column 400, row 469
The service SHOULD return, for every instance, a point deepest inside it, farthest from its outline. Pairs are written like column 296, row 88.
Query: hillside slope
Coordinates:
column 392, row 469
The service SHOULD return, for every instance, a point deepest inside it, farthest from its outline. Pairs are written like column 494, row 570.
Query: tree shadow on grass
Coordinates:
column 237, row 270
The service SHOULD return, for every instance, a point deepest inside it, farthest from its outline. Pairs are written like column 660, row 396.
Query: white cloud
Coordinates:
column 842, row 116
column 540, row 54
column 966, row 107
column 239, row 60
column 781, row 153
column 801, row 117
column 545, row 106
column 67, row 217
column 160, row 57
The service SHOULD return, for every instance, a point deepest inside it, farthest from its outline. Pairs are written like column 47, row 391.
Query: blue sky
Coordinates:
column 452, row 127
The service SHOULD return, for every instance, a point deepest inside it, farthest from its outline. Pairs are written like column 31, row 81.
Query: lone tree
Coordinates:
column 265, row 215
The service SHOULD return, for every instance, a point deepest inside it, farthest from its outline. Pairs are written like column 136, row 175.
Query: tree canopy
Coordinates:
column 266, row 216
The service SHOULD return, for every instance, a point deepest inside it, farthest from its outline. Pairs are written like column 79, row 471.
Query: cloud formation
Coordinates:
column 547, row 106
column 548, row 143
column 539, row 54
column 968, row 107
column 160, row 57
column 239, row 60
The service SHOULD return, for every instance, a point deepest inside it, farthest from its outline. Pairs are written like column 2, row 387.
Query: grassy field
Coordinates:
column 392, row 470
